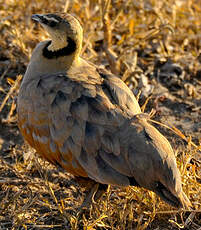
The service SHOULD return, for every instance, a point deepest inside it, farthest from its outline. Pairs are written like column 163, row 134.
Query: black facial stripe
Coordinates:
column 45, row 21
column 52, row 23
column 49, row 21
column 59, row 19
column 69, row 49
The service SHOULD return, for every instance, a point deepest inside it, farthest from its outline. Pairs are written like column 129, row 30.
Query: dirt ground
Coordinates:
column 156, row 49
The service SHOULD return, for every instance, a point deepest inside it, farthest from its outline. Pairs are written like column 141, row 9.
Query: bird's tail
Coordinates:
column 152, row 161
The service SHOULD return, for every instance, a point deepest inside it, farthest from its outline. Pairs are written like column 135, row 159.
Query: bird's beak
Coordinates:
column 37, row 18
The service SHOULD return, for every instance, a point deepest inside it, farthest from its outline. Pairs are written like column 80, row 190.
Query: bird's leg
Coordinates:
column 102, row 188
column 89, row 197
column 93, row 194
column 93, row 191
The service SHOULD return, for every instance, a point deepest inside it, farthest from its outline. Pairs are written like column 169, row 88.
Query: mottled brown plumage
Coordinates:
column 86, row 120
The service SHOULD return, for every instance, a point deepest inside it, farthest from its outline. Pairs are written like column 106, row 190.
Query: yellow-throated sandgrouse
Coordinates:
column 86, row 120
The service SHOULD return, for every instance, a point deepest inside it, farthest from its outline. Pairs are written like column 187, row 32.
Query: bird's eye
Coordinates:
column 52, row 24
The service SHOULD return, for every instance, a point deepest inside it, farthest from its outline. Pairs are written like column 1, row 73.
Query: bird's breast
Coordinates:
column 38, row 130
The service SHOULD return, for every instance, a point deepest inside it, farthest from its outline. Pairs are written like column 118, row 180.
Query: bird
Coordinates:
column 84, row 119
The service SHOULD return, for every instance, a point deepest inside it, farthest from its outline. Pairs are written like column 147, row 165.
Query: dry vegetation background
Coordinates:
column 155, row 47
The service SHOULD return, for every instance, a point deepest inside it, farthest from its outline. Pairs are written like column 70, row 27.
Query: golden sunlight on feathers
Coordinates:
column 86, row 120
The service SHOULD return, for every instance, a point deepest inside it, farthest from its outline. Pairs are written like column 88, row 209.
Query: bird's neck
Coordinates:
column 55, row 45
column 63, row 48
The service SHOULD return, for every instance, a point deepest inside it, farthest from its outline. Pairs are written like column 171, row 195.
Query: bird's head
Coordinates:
column 65, row 32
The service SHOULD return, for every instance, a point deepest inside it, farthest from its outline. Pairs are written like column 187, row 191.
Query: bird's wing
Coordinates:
column 74, row 121
column 119, row 91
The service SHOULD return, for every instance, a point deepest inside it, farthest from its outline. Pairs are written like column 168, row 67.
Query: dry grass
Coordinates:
column 127, row 37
